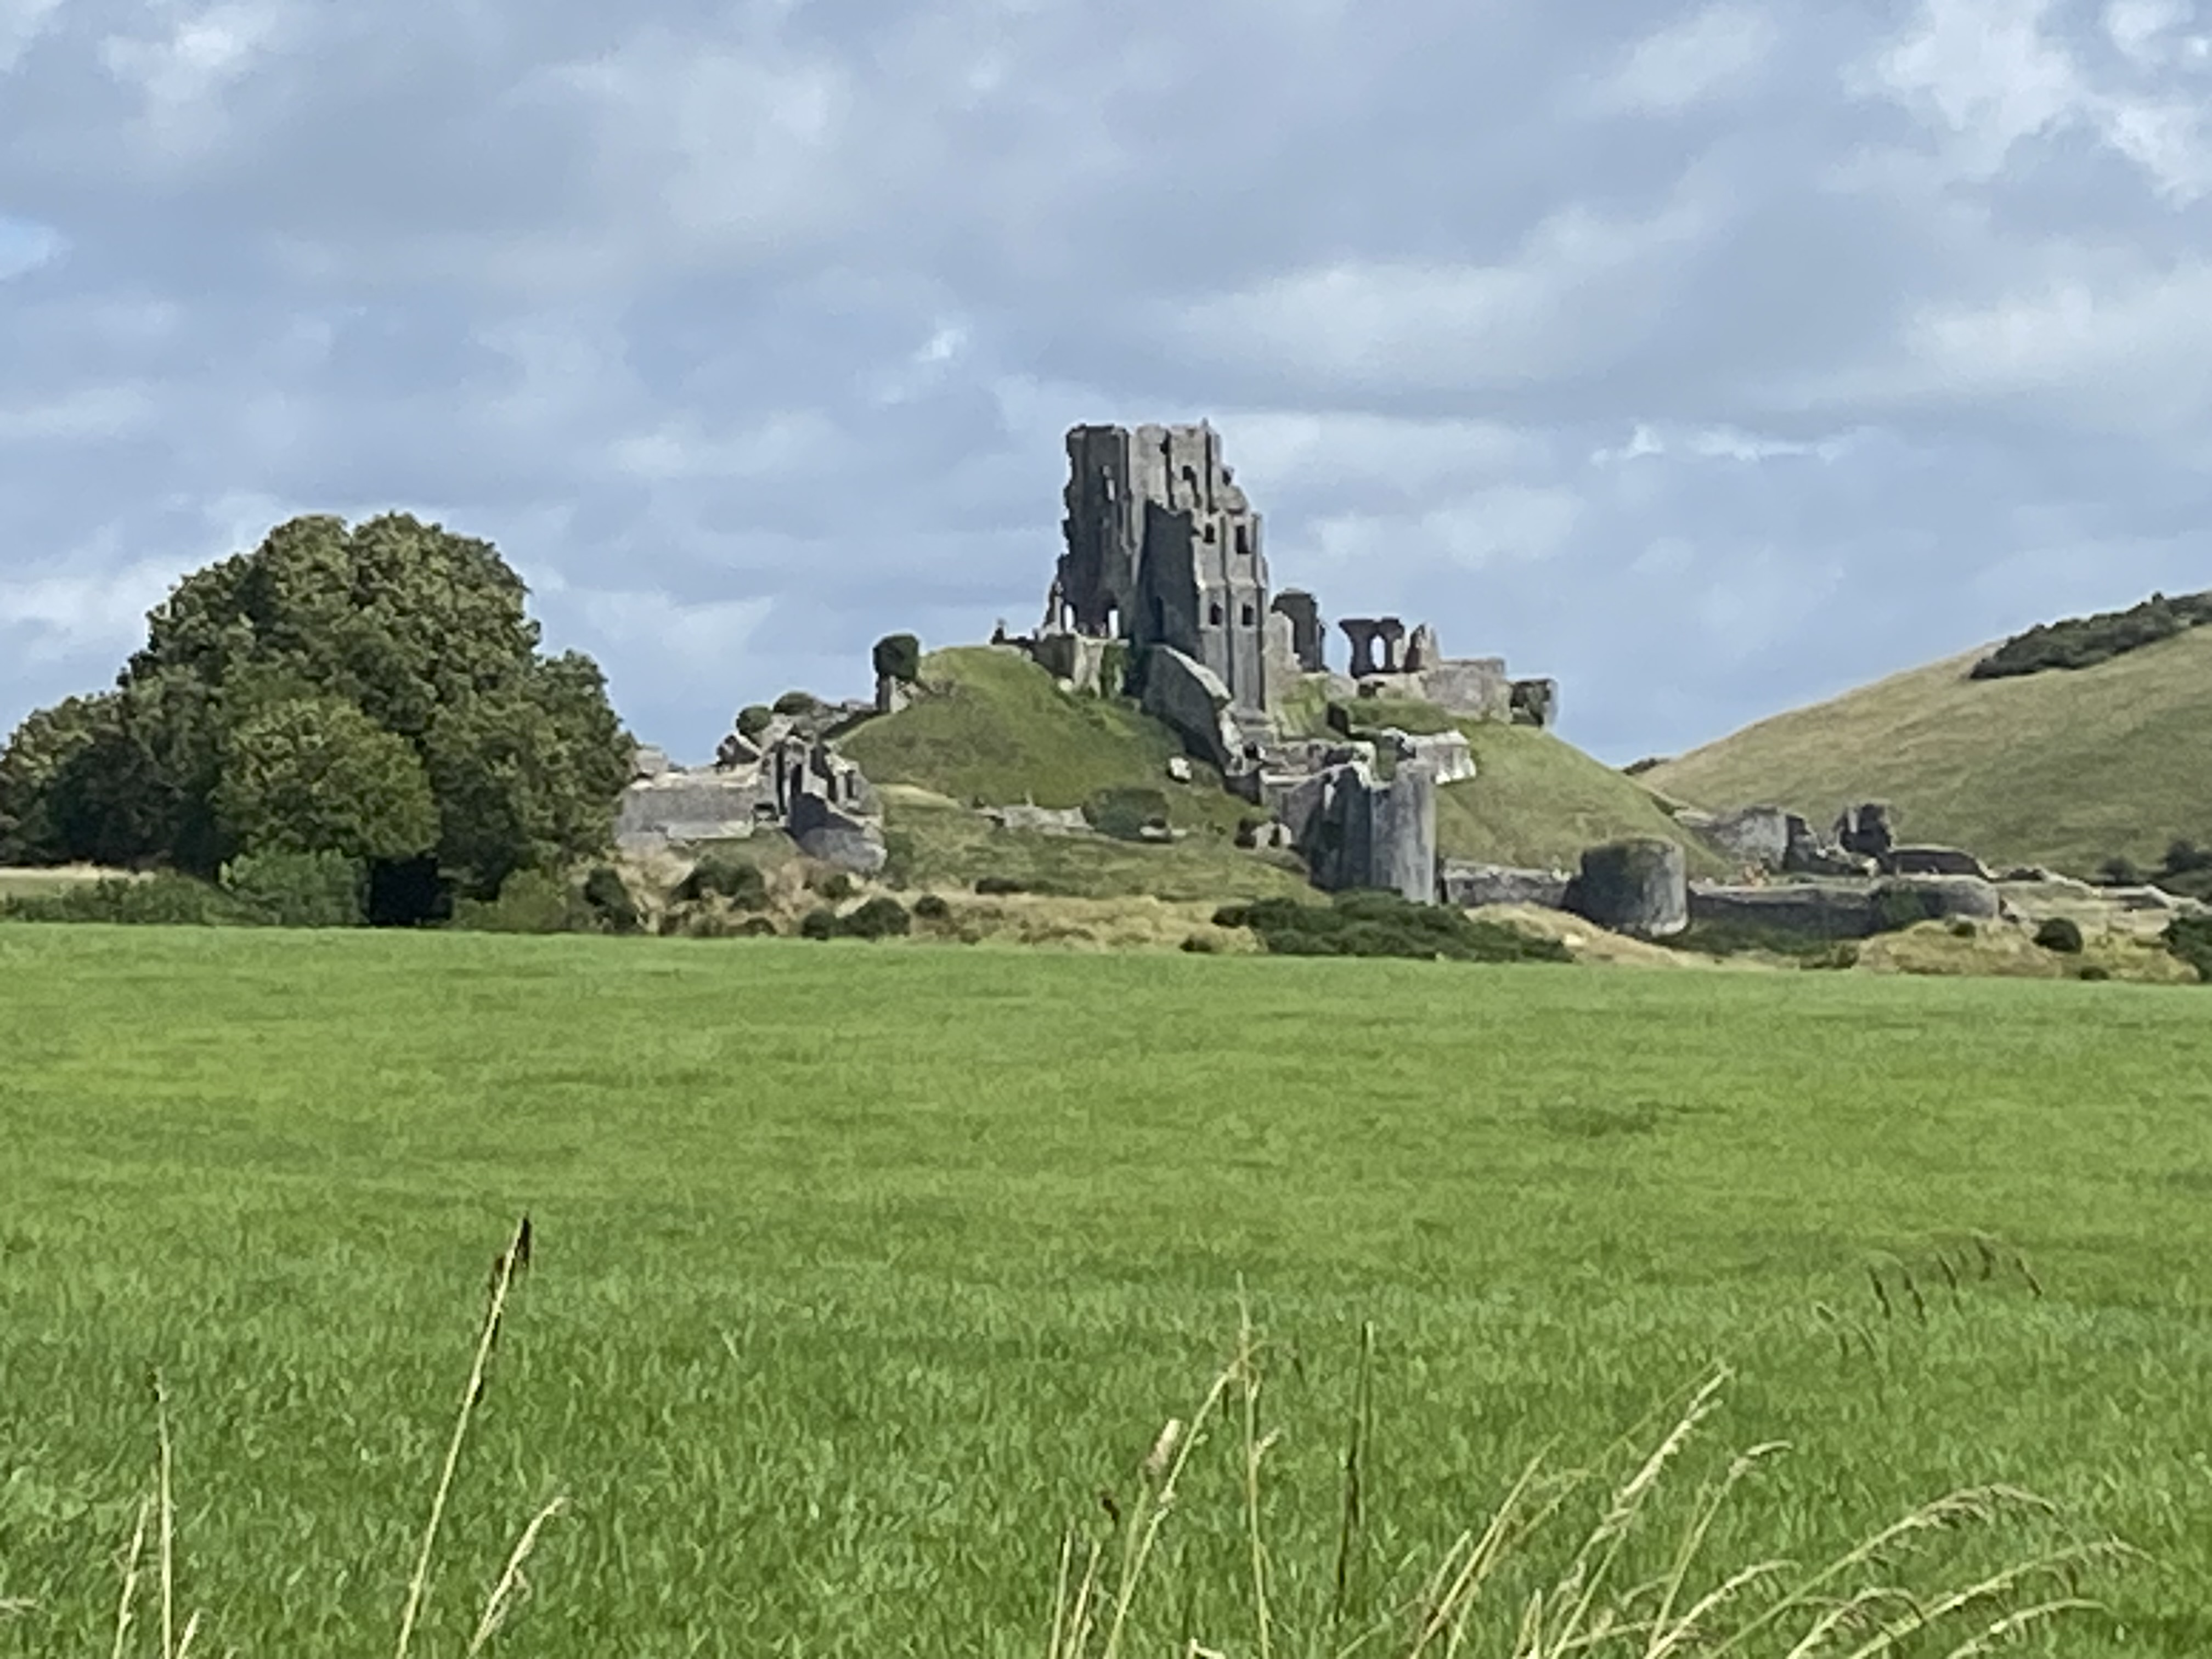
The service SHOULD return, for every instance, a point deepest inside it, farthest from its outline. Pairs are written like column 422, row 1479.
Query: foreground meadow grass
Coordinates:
column 860, row 1274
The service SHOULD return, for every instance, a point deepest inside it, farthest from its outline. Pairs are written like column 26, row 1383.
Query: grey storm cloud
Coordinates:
column 1709, row 357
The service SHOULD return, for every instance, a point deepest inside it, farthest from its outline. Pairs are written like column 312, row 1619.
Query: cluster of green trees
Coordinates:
column 2085, row 641
column 375, row 693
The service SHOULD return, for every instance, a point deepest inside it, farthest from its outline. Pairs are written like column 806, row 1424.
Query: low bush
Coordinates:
column 165, row 900
column 930, row 908
column 795, row 704
column 609, row 896
column 2061, row 936
column 724, row 874
column 881, row 917
column 301, row 889
column 528, row 902
column 2190, row 938
column 753, row 719
column 994, row 885
column 2085, row 641
column 898, row 657
column 1377, row 924
column 1126, row 813
column 836, row 886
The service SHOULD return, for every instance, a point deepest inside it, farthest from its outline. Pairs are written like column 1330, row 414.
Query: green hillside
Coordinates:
column 994, row 728
column 2065, row 768
column 1537, row 801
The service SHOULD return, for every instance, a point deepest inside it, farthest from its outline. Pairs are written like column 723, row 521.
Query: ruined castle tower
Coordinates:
column 1163, row 549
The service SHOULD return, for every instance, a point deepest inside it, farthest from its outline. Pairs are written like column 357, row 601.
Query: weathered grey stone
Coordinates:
column 1638, row 886
column 1285, row 672
column 892, row 694
column 647, row 761
column 1356, row 831
column 1309, row 638
column 1903, row 900
column 1077, row 659
column 837, row 837
column 1424, row 650
column 1473, row 885
column 1447, row 754
column 1805, row 909
column 1758, row 835
column 1476, row 688
column 1163, row 550
column 1372, row 635
column 1179, row 769
column 1191, row 700
column 1042, row 820
column 1866, row 830
column 1933, row 861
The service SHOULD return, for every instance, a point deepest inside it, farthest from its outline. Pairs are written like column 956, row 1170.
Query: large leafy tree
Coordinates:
column 375, row 690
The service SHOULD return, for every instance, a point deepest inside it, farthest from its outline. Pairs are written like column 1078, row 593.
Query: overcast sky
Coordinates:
column 1710, row 358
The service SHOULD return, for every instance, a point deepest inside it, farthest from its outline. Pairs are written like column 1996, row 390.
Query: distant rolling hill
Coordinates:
column 2067, row 767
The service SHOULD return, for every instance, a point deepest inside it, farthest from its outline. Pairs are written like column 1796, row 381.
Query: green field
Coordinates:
column 862, row 1272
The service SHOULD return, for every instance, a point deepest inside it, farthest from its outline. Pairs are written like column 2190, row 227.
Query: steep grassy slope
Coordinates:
column 995, row 728
column 2065, row 768
column 1539, row 801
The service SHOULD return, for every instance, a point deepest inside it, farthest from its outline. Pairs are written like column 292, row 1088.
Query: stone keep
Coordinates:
column 1163, row 549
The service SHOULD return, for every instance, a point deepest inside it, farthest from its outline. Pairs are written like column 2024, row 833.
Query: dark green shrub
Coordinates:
column 2120, row 872
column 528, row 902
column 753, row 719
column 881, row 917
column 930, row 908
column 609, row 895
column 1126, row 813
column 2085, row 641
column 756, row 927
column 1374, row 924
column 997, row 884
column 1199, row 945
column 818, row 924
column 834, row 885
column 898, row 657
column 166, row 900
column 1899, row 907
column 2190, row 938
column 1961, row 928
column 796, row 702
column 2092, row 972
column 1115, row 665
column 2061, row 936
column 738, row 880
column 301, row 889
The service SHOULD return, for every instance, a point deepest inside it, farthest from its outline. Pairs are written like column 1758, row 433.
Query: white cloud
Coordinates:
column 1991, row 74
column 71, row 612
column 89, row 414
column 1689, row 61
column 787, row 441
column 182, row 76
column 22, row 22
column 1584, row 287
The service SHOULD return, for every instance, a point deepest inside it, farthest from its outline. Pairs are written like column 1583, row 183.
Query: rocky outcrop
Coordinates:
column 1866, row 830
column 1356, row 831
column 1639, row 886
column 1190, row 699
column 1801, row 909
column 1932, row 861
column 1470, row 886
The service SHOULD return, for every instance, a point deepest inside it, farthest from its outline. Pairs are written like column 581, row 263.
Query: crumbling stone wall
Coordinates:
column 1356, row 831
column 1163, row 549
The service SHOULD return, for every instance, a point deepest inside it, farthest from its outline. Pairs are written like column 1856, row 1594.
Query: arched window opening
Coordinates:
column 1213, row 613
